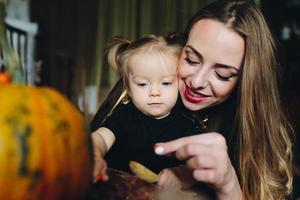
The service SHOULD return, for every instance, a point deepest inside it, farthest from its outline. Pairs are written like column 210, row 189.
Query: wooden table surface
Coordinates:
column 125, row 186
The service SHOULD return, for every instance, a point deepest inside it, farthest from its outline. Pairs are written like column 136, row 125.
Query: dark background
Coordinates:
column 280, row 13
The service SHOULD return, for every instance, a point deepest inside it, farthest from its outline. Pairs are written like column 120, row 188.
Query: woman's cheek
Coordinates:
column 183, row 71
column 222, row 90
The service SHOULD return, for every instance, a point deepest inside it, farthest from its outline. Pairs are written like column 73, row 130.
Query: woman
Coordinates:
column 227, row 71
column 227, row 75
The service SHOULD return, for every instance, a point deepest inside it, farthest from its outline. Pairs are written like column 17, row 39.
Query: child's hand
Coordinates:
column 176, row 178
column 99, row 171
column 100, row 166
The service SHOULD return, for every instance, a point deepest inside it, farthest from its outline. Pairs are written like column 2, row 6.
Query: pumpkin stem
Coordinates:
column 11, row 59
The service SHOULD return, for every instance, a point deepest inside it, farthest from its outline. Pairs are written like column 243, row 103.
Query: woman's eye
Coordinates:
column 167, row 83
column 222, row 78
column 191, row 62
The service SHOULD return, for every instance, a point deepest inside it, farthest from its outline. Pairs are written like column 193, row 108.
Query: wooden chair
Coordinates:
column 21, row 35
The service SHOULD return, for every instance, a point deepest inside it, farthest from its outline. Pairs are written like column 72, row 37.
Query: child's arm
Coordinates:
column 102, row 140
column 176, row 178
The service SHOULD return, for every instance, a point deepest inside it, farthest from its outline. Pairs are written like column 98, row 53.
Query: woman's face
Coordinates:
column 210, row 64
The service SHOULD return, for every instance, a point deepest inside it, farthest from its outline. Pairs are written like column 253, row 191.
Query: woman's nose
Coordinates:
column 199, row 80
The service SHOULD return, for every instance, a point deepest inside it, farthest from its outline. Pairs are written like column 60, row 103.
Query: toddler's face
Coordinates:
column 153, row 83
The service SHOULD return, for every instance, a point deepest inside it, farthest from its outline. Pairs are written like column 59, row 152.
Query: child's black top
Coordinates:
column 136, row 133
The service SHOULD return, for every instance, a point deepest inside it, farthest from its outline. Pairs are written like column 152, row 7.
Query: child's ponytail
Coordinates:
column 114, row 52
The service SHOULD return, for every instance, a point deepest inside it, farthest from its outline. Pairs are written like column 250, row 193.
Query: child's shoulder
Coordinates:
column 122, row 110
column 124, row 107
column 121, row 115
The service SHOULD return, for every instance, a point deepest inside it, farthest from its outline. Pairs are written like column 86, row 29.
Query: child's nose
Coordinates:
column 155, row 91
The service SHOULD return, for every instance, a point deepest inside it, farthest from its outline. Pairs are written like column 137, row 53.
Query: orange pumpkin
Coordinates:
column 44, row 148
column 5, row 78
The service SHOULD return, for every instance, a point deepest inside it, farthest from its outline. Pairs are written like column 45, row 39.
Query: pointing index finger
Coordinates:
column 174, row 145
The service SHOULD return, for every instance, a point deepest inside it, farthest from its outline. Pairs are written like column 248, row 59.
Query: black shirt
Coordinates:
column 136, row 133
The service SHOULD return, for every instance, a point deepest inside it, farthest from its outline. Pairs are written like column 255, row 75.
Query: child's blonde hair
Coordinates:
column 121, row 50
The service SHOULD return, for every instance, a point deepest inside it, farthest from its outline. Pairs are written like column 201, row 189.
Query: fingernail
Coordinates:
column 159, row 150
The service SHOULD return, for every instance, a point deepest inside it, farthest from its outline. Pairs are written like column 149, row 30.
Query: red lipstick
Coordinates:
column 193, row 99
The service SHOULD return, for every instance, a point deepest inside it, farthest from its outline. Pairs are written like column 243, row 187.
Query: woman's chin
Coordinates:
column 193, row 106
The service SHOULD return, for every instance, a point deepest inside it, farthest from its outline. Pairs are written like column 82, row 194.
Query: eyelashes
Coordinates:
column 222, row 78
column 189, row 61
column 141, row 84
column 218, row 75
column 166, row 83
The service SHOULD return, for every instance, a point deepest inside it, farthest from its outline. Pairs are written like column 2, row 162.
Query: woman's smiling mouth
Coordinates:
column 194, row 97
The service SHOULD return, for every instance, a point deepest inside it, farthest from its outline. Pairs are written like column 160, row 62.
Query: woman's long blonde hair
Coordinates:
column 265, row 147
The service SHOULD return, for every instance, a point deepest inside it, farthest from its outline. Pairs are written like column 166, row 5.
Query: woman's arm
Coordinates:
column 102, row 140
column 206, row 155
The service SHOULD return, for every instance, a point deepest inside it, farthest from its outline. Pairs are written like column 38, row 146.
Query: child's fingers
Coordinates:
column 99, row 171
column 101, row 177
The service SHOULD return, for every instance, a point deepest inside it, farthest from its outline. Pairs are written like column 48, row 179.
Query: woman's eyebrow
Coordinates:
column 218, row 64
column 228, row 67
column 194, row 50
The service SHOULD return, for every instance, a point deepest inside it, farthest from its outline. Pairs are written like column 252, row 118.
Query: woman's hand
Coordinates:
column 176, row 178
column 206, row 155
column 168, row 179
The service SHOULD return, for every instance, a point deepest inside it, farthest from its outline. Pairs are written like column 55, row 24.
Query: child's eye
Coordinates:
column 141, row 84
column 167, row 83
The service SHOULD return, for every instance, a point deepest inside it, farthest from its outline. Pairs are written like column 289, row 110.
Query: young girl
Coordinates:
column 148, row 67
